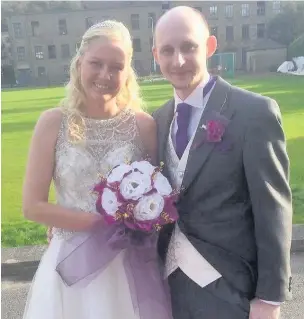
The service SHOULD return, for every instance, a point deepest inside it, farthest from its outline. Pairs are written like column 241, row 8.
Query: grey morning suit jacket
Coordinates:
column 235, row 206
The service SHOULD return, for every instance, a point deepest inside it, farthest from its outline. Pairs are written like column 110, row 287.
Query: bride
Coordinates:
column 100, row 124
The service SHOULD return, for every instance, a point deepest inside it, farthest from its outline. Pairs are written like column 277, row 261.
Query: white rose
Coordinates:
column 109, row 202
column 135, row 185
column 162, row 184
column 149, row 207
column 144, row 167
column 118, row 172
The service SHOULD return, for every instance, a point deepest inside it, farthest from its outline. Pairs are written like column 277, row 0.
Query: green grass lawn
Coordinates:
column 20, row 110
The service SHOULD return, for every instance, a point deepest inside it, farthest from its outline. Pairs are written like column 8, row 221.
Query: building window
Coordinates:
column 229, row 33
column 213, row 31
column 213, row 11
column 245, row 10
column 165, row 5
column 39, row 52
column 137, row 45
column 135, row 21
column 65, row 51
column 17, row 30
column 151, row 20
column 229, row 11
column 89, row 21
column 35, row 28
column 261, row 8
column 63, row 30
column 276, row 6
column 52, row 51
column 4, row 25
column 41, row 71
column 245, row 32
column 261, row 28
column 20, row 53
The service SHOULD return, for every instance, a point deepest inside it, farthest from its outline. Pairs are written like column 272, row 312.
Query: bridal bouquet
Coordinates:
column 138, row 196
column 136, row 201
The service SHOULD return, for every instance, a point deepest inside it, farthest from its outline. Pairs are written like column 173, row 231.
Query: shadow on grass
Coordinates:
column 35, row 100
column 17, row 127
column 24, row 110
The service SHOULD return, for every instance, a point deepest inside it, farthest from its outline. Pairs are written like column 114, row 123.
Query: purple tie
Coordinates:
column 183, row 118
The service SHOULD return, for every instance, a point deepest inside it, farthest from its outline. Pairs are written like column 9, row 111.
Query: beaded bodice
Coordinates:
column 79, row 166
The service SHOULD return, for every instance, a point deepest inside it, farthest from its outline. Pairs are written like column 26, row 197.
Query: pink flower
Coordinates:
column 138, row 196
column 215, row 131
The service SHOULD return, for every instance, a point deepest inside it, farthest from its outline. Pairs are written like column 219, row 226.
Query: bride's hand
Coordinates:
column 90, row 220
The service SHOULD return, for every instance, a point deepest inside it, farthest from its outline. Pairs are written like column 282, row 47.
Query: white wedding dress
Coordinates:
column 78, row 168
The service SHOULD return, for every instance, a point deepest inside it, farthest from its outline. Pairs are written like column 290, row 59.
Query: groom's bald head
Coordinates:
column 182, row 46
column 181, row 15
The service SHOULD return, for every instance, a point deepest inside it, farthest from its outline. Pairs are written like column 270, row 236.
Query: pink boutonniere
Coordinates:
column 215, row 130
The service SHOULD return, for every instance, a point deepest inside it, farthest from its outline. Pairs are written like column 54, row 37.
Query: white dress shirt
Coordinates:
column 198, row 103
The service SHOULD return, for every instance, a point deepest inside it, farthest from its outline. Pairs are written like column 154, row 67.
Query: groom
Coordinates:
column 228, row 257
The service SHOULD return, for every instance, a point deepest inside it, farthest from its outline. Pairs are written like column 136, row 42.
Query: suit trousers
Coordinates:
column 218, row 300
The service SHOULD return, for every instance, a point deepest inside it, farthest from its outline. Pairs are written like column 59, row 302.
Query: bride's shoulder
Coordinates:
column 54, row 115
column 145, row 122
column 148, row 133
column 50, row 120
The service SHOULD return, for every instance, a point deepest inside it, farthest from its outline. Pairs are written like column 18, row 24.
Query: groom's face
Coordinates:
column 181, row 50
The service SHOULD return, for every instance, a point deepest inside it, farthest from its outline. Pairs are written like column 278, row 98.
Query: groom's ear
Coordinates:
column 154, row 52
column 211, row 45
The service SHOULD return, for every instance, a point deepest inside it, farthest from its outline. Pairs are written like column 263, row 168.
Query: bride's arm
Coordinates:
column 148, row 134
column 38, row 177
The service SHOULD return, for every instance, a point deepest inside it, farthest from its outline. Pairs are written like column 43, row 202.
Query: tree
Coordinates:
column 296, row 48
column 287, row 25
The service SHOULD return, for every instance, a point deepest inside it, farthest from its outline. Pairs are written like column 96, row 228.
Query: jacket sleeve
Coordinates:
column 266, row 166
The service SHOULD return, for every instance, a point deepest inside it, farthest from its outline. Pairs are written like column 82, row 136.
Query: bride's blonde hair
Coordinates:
column 128, row 96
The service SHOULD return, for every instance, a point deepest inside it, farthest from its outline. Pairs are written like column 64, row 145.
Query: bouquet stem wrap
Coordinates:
column 86, row 255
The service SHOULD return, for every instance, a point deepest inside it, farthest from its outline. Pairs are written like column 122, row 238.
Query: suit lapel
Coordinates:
column 218, row 103
column 164, row 123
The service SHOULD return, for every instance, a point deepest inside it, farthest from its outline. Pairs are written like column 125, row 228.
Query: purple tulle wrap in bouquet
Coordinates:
column 136, row 201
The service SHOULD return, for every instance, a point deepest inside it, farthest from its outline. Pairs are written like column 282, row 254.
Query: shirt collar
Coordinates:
column 195, row 99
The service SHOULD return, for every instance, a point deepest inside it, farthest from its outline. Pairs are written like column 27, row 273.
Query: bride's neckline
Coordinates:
column 113, row 119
